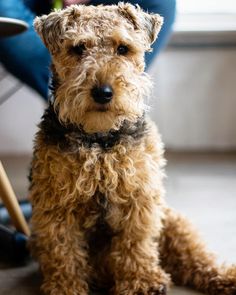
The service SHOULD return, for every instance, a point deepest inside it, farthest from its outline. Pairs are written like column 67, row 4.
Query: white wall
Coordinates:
column 19, row 116
column 194, row 103
column 195, row 98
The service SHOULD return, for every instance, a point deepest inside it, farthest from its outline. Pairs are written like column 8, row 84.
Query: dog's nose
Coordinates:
column 102, row 94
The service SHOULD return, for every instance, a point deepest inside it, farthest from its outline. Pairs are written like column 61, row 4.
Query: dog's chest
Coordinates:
column 114, row 174
column 100, row 188
column 97, row 230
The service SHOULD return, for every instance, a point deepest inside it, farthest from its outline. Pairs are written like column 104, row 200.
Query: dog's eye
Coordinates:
column 79, row 49
column 122, row 49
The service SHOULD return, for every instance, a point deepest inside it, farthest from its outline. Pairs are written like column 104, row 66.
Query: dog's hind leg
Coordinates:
column 185, row 257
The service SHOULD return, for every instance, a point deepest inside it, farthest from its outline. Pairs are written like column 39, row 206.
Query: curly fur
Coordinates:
column 99, row 215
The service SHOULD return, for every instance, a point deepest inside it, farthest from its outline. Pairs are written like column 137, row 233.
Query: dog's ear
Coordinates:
column 147, row 22
column 52, row 27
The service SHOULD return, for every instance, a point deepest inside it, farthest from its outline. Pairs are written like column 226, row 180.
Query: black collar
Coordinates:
column 70, row 137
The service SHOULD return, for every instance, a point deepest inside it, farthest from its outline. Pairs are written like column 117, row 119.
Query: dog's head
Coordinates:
column 98, row 62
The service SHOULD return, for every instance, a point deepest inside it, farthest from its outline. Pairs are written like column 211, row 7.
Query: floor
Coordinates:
column 200, row 185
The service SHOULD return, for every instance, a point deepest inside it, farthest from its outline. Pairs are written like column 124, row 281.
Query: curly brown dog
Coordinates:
column 99, row 217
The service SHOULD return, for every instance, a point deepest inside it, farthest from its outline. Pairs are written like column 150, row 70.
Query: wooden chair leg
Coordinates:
column 10, row 201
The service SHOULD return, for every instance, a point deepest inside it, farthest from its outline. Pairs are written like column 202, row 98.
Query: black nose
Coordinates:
column 102, row 94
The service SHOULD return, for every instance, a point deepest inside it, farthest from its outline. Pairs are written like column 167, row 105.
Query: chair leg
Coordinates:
column 10, row 201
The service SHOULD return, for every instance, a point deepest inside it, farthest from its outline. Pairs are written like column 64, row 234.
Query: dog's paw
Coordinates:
column 160, row 290
column 157, row 290
column 226, row 290
column 152, row 284
column 224, row 284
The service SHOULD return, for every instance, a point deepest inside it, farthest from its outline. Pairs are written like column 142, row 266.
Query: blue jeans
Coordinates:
column 26, row 57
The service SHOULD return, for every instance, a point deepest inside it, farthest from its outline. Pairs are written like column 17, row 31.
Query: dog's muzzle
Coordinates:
column 102, row 94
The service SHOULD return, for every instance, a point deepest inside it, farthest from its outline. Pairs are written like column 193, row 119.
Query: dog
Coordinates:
column 99, row 215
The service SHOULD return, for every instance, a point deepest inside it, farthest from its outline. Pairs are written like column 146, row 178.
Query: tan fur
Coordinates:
column 118, row 188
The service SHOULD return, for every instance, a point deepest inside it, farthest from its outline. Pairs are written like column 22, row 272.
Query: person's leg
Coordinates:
column 165, row 8
column 24, row 55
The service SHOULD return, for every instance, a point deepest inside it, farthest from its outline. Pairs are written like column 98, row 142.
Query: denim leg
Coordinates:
column 24, row 55
column 165, row 8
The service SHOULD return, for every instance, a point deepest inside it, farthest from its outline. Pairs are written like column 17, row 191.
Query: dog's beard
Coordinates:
column 95, row 121
column 75, row 105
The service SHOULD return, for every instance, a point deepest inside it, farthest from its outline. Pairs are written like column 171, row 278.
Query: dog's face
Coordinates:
column 98, row 62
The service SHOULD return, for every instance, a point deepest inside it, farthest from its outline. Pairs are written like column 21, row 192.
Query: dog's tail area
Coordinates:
column 185, row 257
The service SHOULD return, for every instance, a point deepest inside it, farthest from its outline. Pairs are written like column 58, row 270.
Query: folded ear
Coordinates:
column 51, row 30
column 52, row 27
column 149, row 23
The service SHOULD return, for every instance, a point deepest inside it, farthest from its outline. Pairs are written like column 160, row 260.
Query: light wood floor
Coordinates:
column 202, row 186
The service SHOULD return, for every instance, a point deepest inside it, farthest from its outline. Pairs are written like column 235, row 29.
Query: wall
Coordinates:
column 19, row 116
column 195, row 98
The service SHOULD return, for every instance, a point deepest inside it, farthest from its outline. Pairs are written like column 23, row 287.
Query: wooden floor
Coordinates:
column 202, row 186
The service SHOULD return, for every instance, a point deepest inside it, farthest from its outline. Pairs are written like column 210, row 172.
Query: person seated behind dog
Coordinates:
column 26, row 57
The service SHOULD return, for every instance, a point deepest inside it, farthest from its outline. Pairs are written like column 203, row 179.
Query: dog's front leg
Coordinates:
column 134, row 257
column 59, row 246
